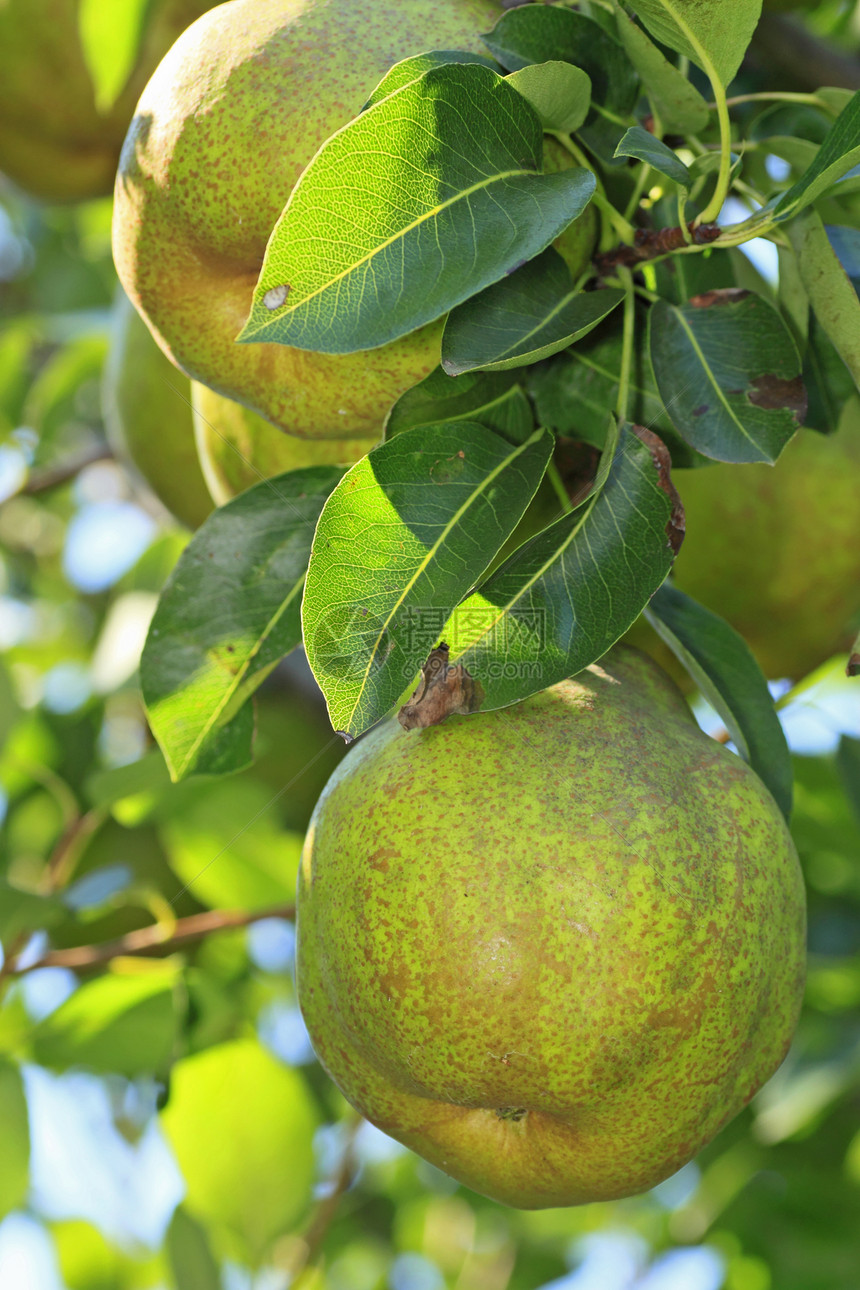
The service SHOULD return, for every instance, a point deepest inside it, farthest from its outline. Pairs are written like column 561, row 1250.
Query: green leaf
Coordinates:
column 831, row 292
column 9, row 709
column 23, row 911
column 564, row 597
column 401, row 540
column 677, row 103
column 228, row 613
column 848, row 765
column 646, row 147
column 572, row 392
column 493, row 399
column 541, row 34
column 410, row 69
column 110, row 33
column 229, row 849
column 15, row 1139
column 559, row 92
column 191, row 1259
column 728, row 372
column 242, row 1125
column 712, row 37
column 455, row 152
column 529, row 315
column 839, row 153
column 827, row 380
column 125, row 1023
column 723, row 667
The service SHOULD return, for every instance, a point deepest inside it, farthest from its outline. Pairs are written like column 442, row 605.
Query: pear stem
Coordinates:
column 627, row 344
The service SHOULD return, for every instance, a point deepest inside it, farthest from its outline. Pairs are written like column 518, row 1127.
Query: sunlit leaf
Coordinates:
column 401, row 540
column 703, row 32
column 241, row 1125
column 446, row 195
column 15, row 1139
column 110, row 33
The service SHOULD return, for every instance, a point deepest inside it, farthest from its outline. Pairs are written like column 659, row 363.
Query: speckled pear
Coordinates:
column 147, row 413
column 556, row 947
column 238, row 448
column 222, row 133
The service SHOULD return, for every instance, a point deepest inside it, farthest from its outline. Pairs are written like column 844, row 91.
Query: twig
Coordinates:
column 70, row 847
column 53, row 476
column 312, row 1240
column 155, row 939
column 651, row 243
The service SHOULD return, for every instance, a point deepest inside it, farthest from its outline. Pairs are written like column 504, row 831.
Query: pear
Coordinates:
column 773, row 549
column 222, row 133
column 147, row 412
column 556, row 947
column 237, row 447
column 56, row 142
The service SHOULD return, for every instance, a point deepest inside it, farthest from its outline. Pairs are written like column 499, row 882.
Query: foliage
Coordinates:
column 149, row 842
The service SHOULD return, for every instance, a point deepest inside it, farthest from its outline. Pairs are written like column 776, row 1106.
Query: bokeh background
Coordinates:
column 163, row 1122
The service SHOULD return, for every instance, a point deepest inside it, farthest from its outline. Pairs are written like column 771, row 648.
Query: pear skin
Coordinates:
column 556, row 947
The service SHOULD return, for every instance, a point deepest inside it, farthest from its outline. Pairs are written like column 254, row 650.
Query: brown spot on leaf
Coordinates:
column 719, row 296
column 676, row 524
column 700, row 410
column 774, row 392
column 443, row 690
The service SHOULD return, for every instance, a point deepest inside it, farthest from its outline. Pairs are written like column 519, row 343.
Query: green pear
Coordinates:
column 222, row 133
column 556, row 947
column 238, row 448
column 773, row 549
column 55, row 140
column 146, row 405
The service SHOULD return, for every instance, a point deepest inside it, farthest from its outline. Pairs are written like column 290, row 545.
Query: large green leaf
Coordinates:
column 446, row 195
column 401, row 540
column 227, row 846
column 563, row 598
column 122, row 1022
column 14, row 1139
column 678, row 104
column 713, row 37
column 493, row 399
column 722, row 665
column 529, row 315
column 831, row 292
column 241, row 1125
column 228, row 613
column 541, row 33
column 838, row 154
column 728, row 372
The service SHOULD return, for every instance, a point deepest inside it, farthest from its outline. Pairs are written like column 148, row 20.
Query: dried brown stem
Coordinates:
column 311, row 1243
column 651, row 243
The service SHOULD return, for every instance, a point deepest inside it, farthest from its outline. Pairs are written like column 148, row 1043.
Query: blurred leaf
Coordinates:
column 559, row 602
column 51, row 402
column 125, row 1023
column 848, row 762
column 722, row 665
column 228, row 613
column 191, row 1260
column 401, row 540
column 728, row 372
column 538, row 34
column 830, row 290
column 645, row 147
column 89, row 1262
column 478, row 147
column 701, row 32
column 678, row 104
column 559, row 92
column 242, row 1126
column 9, row 709
column 14, row 1140
column 493, row 399
column 529, row 315
column 227, row 846
column 110, row 33
column 146, row 775
column 23, row 911
column 839, row 153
